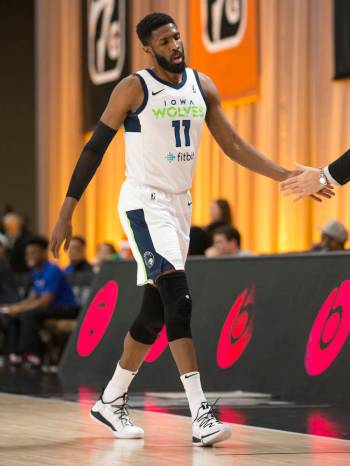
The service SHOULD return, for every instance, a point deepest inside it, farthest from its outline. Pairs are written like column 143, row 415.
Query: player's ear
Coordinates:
column 147, row 49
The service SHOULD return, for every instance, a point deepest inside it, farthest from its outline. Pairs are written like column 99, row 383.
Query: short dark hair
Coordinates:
column 110, row 246
column 229, row 232
column 80, row 240
column 150, row 23
column 39, row 241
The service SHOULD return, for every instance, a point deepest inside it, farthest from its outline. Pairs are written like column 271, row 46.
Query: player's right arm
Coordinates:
column 126, row 97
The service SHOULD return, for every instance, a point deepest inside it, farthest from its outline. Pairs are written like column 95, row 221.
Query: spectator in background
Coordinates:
column 78, row 262
column 220, row 215
column 198, row 241
column 51, row 297
column 79, row 273
column 125, row 252
column 226, row 242
column 5, row 209
column 202, row 238
column 8, row 288
column 17, row 236
column 104, row 252
column 334, row 236
column 8, row 284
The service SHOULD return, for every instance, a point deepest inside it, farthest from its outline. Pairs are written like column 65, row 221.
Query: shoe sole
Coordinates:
column 215, row 438
column 115, row 433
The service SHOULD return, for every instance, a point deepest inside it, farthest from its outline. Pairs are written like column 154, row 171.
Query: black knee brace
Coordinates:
column 150, row 320
column 177, row 301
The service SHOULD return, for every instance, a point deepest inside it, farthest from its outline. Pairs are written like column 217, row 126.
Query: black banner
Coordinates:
column 277, row 325
column 342, row 38
column 224, row 21
column 106, row 58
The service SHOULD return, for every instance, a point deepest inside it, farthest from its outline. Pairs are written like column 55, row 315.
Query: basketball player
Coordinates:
column 311, row 180
column 162, row 110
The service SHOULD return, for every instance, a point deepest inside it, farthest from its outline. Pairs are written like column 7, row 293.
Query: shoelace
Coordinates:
column 122, row 412
column 207, row 419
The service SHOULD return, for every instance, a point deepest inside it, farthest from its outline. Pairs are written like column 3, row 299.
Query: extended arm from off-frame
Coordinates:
column 340, row 168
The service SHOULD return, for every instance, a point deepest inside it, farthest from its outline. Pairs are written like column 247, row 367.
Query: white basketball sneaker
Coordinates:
column 115, row 416
column 206, row 429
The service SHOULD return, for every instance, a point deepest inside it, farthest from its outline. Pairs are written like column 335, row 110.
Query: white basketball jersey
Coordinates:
column 163, row 135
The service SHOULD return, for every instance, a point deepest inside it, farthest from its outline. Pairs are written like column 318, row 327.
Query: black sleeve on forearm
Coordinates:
column 340, row 168
column 90, row 159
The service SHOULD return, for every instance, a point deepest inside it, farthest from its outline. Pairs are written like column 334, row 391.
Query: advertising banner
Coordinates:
column 278, row 325
column 223, row 45
column 105, row 53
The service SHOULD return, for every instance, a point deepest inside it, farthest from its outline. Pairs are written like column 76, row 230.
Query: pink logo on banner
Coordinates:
column 158, row 346
column 329, row 331
column 97, row 318
column 319, row 423
column 237, row 330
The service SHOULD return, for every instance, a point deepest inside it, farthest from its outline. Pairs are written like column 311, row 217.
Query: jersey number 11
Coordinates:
column 176, row 125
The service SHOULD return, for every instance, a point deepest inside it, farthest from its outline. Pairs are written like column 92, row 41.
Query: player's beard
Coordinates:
column 171, row 67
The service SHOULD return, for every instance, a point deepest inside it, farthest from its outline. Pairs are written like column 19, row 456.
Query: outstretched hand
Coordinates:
column 62, row 232
column 306, row 183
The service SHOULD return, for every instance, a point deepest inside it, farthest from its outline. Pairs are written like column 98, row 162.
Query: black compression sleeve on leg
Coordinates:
column 90, row 159
column 150, row 320
column 173, row 289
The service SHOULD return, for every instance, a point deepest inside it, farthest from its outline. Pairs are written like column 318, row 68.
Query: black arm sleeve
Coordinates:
column 340, row 168
column 90, row 159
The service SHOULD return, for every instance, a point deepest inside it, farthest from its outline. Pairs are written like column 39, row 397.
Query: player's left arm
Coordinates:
column 235, row 147
column 231, row 143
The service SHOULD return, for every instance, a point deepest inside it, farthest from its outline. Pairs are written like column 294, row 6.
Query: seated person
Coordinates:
column 334, row 236
column 51, row 298
column 17, row 235
column 198, row 241
column 79, row 271
column 125, row 252
column 220, row 215
column 104, row 252
column 226, row 242
column 8, row 283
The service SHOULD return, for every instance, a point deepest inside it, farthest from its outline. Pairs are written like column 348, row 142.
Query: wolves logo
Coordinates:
column 149, row 259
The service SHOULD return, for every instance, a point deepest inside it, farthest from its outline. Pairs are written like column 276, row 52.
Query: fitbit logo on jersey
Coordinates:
column 224, row 23
column 181, row 157
column 149, row 259
column 106, row 37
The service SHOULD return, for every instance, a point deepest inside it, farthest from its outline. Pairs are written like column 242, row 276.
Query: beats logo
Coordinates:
column 329, row 331
column 237, row 330
column 158, row 346
column 319, row 423
column 97, row 318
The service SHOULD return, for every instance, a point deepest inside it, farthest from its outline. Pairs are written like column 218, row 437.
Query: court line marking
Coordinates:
column 245, row 426
column 268, row 429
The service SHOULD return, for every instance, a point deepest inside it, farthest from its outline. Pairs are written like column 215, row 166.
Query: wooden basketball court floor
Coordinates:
column 47, row 432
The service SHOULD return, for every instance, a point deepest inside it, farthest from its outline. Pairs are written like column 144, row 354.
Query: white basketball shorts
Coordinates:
column 157, row 225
